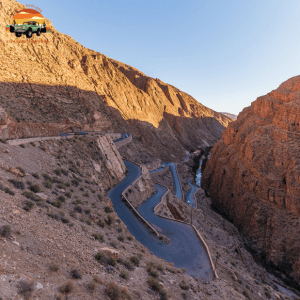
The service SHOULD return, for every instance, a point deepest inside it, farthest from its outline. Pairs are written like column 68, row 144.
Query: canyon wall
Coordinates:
column 253, row 177
column 51, row 84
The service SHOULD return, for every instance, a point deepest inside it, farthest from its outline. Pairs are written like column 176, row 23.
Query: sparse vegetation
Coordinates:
column 36, row 175
column 17, row 184
column 75, row 274
column 5, row 231
column 28, row 205
column 124, row 274
column 108, row 209
column 35, row 188
column 25, row 288
column 67, row 288
column 8, row 191
column 99, row 237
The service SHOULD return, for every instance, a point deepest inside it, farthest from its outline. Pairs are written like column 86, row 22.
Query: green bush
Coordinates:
column 99, row 237
column 68, row 194
column 8, row 191
column 32, row 196
column 25, row 288
column 108, row 209
column 5, row 231
column 17, row 184
column 121, row 238
column 21, row 170
column 35, row 188
column 124, row 274
column 67, row 288
column 135, row 260
column 109, row 220
column 57, row 203
column 57, row 172
column 128, row 265
column 113, row 291
column 22, row 145
column 48, row 184
column 184, row 286
column 61, row 198
column 47, row 177
column 32, row 144
column 64, row 171
column 36, row 175
column 101, row 257
column 28, row 205
column 54, row 267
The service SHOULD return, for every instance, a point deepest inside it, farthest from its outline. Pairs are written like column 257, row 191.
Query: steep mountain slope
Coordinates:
column 253, row 176
column 57, row 85
column 232, row 116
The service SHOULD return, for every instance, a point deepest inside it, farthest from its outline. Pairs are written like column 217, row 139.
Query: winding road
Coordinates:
column 185, row 250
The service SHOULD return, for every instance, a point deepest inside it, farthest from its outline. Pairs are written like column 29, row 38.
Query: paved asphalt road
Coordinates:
column 185, row 250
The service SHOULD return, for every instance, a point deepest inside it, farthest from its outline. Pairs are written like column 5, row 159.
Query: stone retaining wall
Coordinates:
column 124, row 142
column 157, row 207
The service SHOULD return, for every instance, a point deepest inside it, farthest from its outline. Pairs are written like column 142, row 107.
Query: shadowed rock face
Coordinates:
column 253, row 177
column 59, row 85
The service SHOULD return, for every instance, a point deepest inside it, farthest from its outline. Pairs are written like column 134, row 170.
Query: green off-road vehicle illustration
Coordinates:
column 28, row 28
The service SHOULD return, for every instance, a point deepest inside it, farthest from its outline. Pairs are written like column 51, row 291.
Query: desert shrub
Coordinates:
column 268, row 295
column 61, row 198
column 36, row 175
column 8, row 191
column 154, row 284
column 128, row 265
column 86, row 195
column 245, row 293
column 54, row 267
column 66, row 288
column 152, row 272
column 129, row 238
column 67, row 184
column 108, row 209
column 91, row 286
column 32, row 196
column 75, row 274
column 184, row 286
column 17, row 184
column 21, row 170
column 32, row 144
column 124, row 274
column 101, row 223
column 159, row 267
column 28, row 205
column 99, row 237
column 101, row 257
column 135, row 260
column 4, row 141
column 113, row 291
column 57, row 172
column 35, row 188
column 25, row 288
column 42, row 148
column 110, row 219
column 22, row 145
column 121, row 238
column 47, row 177
column 78, row 208
column 182, row 270
column 99, row 197
column 61, row 186
column 171, row 270
column 48, row 184
column 64, row 171
column 75, row 182
column 5, row 230
column 57, row 203
column 88, row 211
column 68, row 194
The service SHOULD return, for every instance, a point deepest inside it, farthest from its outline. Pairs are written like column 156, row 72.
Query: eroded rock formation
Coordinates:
column 253, row 177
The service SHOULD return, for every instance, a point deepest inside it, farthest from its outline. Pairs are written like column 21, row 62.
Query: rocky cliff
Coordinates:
column 253, row 177
column 58, row 85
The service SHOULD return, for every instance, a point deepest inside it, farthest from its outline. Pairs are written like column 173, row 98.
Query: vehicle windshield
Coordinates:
column 30, row 23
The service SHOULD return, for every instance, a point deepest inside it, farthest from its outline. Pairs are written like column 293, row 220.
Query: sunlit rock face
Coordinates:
column 51, row 84
column 253, row 176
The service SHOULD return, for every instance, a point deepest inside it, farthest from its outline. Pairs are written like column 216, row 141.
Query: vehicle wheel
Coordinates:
column 18, row 34
column 29, row 34
column 38, row 33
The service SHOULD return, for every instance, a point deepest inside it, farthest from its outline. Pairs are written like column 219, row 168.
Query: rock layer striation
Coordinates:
column 253, row 177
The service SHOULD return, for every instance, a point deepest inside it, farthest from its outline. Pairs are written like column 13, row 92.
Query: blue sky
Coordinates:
column 223, row 53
